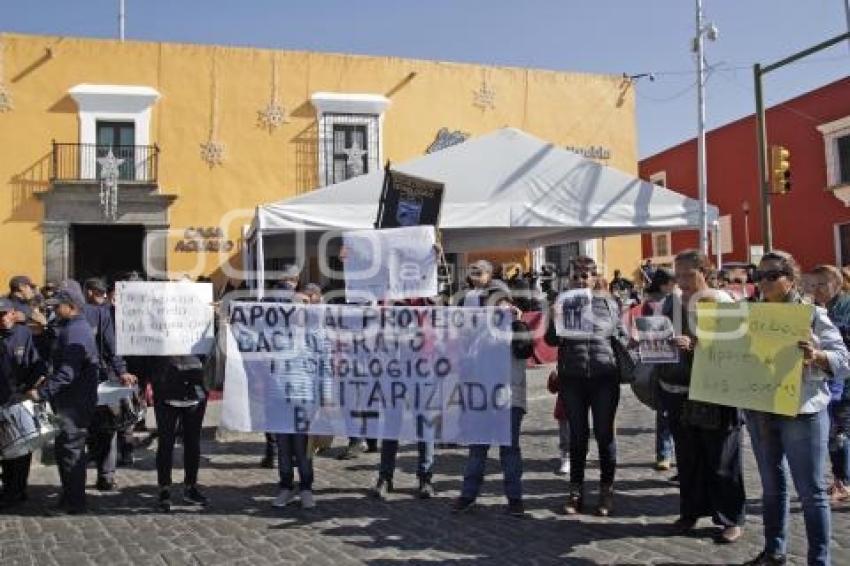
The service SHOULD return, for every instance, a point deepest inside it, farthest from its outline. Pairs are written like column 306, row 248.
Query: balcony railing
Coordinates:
column 80, row 162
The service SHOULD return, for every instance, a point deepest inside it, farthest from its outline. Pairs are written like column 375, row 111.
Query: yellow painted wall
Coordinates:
column 564, row 108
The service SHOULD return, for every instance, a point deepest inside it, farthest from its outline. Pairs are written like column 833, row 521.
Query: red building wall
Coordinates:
column 804, row 219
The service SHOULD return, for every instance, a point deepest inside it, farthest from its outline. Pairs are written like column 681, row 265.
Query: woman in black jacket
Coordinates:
column 590, row 384
column 179, row 395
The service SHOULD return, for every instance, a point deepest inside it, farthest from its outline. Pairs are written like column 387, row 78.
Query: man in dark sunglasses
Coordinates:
column 772, row 275
column 584, row 273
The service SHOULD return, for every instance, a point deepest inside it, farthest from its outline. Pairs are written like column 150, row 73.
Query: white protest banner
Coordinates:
column 163, row 318
column 655, row 344
column 574, row 313
column 407, row 373
column 391, row 264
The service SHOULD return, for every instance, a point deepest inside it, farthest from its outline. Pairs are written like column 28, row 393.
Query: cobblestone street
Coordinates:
column 348, row 527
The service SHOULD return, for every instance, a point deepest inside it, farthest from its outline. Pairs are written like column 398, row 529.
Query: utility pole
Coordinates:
column 121, row 20
column 761, row 130
column 703, row 31
column 847, row 15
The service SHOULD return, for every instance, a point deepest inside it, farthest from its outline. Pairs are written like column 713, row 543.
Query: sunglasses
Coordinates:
column 771, row 275
column 584, row 275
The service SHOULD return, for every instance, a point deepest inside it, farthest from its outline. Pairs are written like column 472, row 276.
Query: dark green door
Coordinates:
column 121, row 138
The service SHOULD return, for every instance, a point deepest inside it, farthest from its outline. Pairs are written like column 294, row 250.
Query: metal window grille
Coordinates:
column 559, row 256
column 341, row 132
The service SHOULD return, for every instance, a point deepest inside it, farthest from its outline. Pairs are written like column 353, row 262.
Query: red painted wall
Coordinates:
column 804, row 219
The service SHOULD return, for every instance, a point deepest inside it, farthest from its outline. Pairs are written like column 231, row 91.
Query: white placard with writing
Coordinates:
column 391, row 264
column 163, row 318
column 407, row 373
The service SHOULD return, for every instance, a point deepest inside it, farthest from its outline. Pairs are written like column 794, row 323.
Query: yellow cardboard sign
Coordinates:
column 747, row 355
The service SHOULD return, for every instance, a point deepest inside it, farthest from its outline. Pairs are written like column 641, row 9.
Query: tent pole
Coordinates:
column 259, row 258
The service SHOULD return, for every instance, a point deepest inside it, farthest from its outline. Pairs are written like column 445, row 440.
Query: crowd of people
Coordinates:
column 59, row 344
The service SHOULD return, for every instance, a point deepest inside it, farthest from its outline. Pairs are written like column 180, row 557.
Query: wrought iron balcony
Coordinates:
column 83, row 162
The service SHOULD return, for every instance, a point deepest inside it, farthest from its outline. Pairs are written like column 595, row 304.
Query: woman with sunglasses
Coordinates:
column 590, row 385
column 827, row 281
column 798, row 444
column 707, row 437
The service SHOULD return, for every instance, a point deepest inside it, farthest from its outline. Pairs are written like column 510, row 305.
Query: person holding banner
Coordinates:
column 389, row 451
column 590, row 381
column 281, row 291
column 797, row 444
column 707, row 437
column 510, row 456
column 293, row 449
column 828, row 293
column 661, row 287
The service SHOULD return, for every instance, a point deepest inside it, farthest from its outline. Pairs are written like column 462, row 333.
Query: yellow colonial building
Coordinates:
column 128, row 155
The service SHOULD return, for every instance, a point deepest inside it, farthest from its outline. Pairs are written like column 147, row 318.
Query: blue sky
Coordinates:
column 607, row 36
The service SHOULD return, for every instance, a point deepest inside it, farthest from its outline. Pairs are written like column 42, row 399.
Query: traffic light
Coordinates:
column 780, row 169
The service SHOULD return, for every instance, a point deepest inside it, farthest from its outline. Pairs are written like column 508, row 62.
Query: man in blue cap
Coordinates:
column 20, row 369
column 71, row 388
column 21, row 292
column 104, row 440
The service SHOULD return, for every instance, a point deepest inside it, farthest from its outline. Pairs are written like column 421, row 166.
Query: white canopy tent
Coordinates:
column 504, row 189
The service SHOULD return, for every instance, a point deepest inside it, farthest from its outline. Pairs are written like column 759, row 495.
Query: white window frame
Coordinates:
column 655, row 255
column 349, row 108
column 831, row 131
column 659, row 178
column 112, row 103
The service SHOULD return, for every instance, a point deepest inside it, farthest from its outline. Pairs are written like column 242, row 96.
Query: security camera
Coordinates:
column 711, row 32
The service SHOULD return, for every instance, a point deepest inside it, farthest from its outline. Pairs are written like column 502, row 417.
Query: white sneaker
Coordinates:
column 565, row 467
column 307, row 501
column 284, row 498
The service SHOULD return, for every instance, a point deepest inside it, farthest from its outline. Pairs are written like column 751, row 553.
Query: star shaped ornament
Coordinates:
column 109, row 173
column 354, row 160
column 272, row 116
column 110, row 166
column 212, row 152
column 485, row 96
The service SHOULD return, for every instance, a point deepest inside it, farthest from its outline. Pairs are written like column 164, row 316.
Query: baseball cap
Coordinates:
column 69, row 294
column 19, row 281
column 6, row 305
column 96, row 284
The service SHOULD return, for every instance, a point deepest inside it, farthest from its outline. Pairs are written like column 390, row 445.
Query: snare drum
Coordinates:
column 25, row 427
column 119, row 408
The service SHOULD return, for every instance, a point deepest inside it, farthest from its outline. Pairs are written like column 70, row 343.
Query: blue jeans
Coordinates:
column 424, row 463
column 509, row 456
column 292, row 451
column 663, row 436
column 799, row 444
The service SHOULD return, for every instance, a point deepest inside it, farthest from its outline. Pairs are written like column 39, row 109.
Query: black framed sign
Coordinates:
column 408, row 201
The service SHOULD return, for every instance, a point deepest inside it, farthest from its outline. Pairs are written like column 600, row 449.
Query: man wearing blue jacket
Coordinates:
column 71, row 388
column 104, row 442
column 20, row 369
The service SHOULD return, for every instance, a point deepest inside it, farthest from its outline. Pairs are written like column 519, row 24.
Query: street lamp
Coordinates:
column 704, row 30
column 745, row 207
